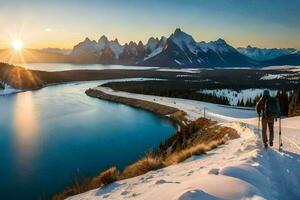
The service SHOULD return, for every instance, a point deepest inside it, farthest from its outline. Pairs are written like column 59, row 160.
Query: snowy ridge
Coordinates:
column 265, row 54
column 240, row 169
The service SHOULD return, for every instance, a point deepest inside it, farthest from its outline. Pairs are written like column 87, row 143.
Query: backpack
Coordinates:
column 272, row 108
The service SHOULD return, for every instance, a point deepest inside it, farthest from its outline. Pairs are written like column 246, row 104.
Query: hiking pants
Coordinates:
column 267, row 123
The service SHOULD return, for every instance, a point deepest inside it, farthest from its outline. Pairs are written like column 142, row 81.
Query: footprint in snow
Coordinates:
column 249, row 148
column 214, row 171
column 162, row 181
column 125, row 193
column 190, row 173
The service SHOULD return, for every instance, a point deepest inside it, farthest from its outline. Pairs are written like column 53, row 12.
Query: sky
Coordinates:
column 64, row 23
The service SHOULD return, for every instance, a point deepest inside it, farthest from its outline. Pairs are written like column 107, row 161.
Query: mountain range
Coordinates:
column 261, row 54
column 178, row 50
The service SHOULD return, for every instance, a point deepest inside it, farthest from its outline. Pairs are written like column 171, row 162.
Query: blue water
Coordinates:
column 50, row 67
column 49, row 136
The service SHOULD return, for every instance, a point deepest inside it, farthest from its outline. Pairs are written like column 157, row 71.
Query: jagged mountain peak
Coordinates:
column 140, row 43
column 103, row 39
column 177, row 31
column 221, row 41
column 184, row 41
column 87, row 39
column 179, row 34
column 116, row 41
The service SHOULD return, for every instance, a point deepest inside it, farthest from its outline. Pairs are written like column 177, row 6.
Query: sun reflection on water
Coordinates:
column 26, row 128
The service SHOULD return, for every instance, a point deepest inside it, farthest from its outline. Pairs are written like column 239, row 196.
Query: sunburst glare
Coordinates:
column 17, row 44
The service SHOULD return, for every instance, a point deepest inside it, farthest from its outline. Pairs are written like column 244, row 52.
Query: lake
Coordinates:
column 50, row 136
column 50, row 67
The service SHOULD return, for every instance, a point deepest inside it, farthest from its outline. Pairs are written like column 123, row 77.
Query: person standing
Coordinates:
column 268, row 108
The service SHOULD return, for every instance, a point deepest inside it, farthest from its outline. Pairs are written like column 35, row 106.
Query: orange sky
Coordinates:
column 63, row 24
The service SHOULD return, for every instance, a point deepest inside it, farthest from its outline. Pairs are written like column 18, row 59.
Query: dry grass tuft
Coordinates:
column 85, row 184
column 198, row 149
column 106, row 177
column 142, row 166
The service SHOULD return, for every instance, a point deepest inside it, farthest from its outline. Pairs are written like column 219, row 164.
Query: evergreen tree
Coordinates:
column 283, row 101
column 242, row 103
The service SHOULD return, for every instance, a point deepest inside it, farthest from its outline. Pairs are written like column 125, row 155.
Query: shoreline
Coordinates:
column 176, row 116
column 193, row 137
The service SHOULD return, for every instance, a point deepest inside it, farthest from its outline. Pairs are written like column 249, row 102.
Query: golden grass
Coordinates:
column 142, row 166
column 85, row 184
column 106, row 177
column 198, row 149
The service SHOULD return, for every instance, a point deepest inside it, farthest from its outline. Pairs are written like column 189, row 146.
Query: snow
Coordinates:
column 183, row 41
column 273, row 76
column 240, row 169
column 219, row 46
column 8, row 90
column 186, row 70
column 152, row 44
column 294, row 76
column 282, row 67
column 116, row 48
column 178, row 62
column 184, row 75
column 265, row 54
column 234, row 96
column 154, row 53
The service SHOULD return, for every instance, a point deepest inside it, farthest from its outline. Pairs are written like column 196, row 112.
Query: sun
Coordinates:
column 17, row 44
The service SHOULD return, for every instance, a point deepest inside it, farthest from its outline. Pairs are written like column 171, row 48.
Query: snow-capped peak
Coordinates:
column 87, row 46
column 103, row 39
column 218, row 46
column 184, row 40
column 152, row 44
column 116, row 48
column 87, row 40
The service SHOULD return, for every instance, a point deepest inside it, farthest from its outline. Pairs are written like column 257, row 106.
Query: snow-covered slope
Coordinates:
column 240, row 169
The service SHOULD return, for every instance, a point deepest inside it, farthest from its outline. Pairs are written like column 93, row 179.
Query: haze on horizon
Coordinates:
column 62, row 24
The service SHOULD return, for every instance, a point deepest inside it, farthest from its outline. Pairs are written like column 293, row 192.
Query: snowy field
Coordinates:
column 186, row 70
column 282, row 67
column 240, row 169
column 235, row 96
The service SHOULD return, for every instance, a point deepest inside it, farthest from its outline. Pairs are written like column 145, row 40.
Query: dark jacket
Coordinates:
column 260, row 105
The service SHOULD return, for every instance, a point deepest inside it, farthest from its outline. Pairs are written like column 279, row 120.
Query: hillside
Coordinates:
column 32, row 56
column 240, row 169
